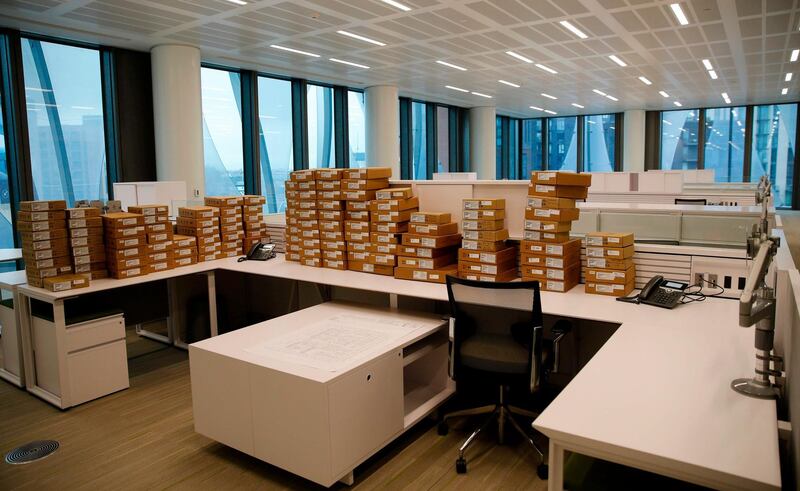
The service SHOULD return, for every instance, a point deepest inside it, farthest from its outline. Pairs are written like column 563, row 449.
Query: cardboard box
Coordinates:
column 361, row 195
column 504, row 256
column 223, row 201
column 358, row 246
column 329, row 174
column 309, row 233
column 483, row 214
column 382, row 259
column 41, row 216
column 185, row 261
column 303, row 175
column 609, row 239
column 115, row 255
column 547, row 226
column 383, row 248
column 359, row 256
column 83, row 212
column 330, row 215
column 128, row 273
column 394, row 193
column 44, row 254
column 430, row 275
column 608, row 263
column 542, row 273
column 84, row 241
column 356, row 236
column 41, row 226
column 431, row 242
column 611, row 276
column 158, row 257
column 391, row 216
column 360, row 216
column 544, row 202
column 58, row 233
column 364, row 184
column 331, row 226
column 254, row 200
column 292, row 256
column 331, row 236
column 390, row 227
column 198, row 232
column 490, row 269
column 364, row 267
column 122, row 220
column 558, row 285
column 381, row 205
column 486, row 235
column 334, row 255
column 198, row 212
column 87, row 250
column 42, row 205
column 574, row 192
column 367, row 173
column 482, row 224
column 549, row 249
column 313, row 262
column 65, row 282
column 321, row 186
column 610, row 289
column 333, row 245
column 559, row 262
column 197, row 222
column 95, row 222
column 357, row 205
column 154, row 219
column 307, row 195
column 562, row 215
column 610, row 252
column 41, row 245
column 184, row 252
column 160, row 266
column 330, row 205
column 356, row 226
column 202, row 258
column 47, row 272
column 159, row 237
column 481, row 245
column 433, row 229
column 406, row 250
column 484, row 204
column 427, row 263
column 148, row 210
column 554, row 237
column 561, row 178
column 384, row 238
column 206, row 249
column 158, row 228
column 430, row 217
column 98, row 257
column 334, row 264
column 503, row 277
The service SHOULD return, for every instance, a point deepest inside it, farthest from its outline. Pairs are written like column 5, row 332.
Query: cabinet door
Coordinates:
column 366, row 409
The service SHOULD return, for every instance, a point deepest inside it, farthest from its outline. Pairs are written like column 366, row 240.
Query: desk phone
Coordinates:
column 659, row 292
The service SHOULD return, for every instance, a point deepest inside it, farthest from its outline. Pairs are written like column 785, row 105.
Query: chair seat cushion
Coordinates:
column 494, row 353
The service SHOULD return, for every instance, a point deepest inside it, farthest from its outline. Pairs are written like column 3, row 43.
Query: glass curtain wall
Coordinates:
column 357, row 129
column 562, row 142
column 442, row 139
column 223, row 149
column 531, row 147
column 321, row 127
column 774, row 147
column 599, row 139
column 419, row 152
column 6, row 220
column 275, row 140
column 679, row 139
column 723, row 149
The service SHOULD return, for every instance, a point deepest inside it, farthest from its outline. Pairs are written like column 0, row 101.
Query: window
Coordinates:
column 679, row 139
column 442, row 139
column 773, row 154
column 562, row 137
column 321, row 127
column 598, row 143
column 498, row 154
column 357, row 130
column 275, row 140
column 419, row 153
column 6, row 227
column 513, row 150
column 63, row 92
column 723, row 149
column 223, row 149
column 531, row 146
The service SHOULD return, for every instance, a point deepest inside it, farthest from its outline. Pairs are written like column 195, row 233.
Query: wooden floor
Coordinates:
column 143, row 438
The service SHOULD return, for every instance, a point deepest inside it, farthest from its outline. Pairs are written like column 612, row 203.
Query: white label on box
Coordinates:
column 360, row 256
column 555, row 285
column 309, row 233
column 358, row 225
column 471, row 245
column 419, row 275
column 414, row 240
column 613, row 252
column 384, row 259
column 357, row 246
column 77, row 223
column 162, row 256
column 472, row 277
column 594, row 241
column 471, row 205
column 487, row 279
column 43, row 254
column 555, row 274
column 535, row 202
column 384, row 218
column 60, row 286
column 613, row 240
column 128, row 221
column 39, row 206
column 469, row 225
column 471, row 214
column 159, row 266
column 541, row 212
column 37, row 246
column 605, row 288
column 609, row 275
column 369, row 268
column 131, row 262
column 183, row 261
column 485, row 257
column 132, row 272
column 309, row 243
column 426, row 263
column 537, row 272
column 471, row 234
column 433, row 276
column 359, row 205
column 40, row 236
column 417, row 218
column 548, row 226
column 158, row 237
column 556, row 250
column 488, row 213
column 81, row 241
column 546, row 176
column 428, row 242
column 531, row 235
column 486, row 203
column 533, row 224
column 554, row 262
column 541, row 188
column 425, row 252
column 474, row 267
column 535, row 248
column 423, row 229
column 534, row 260
column 384, row 248
column 489, row 269
column 80, row 251
column 384, row 238
column 382, row 227
column 82, row 268
column 594, row 252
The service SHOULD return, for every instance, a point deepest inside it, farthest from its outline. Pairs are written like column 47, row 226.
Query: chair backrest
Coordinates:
column 505, row 309
column 691, row 201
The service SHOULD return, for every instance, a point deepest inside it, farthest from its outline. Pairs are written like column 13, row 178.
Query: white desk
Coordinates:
column 11, row 343
column 320, row 421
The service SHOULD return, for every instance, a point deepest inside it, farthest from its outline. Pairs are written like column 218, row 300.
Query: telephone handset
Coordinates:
column 659, row 292
column 259, row 252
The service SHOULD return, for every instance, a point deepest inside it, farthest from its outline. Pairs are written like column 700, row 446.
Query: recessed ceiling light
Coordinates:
column 451, row 65
column 546, row 68
column 612, row 98
column 678, row 11
column 238, row 2
column 726, row 98
column 663, row 94
column 712, row 74
column 795, row 55
column 645, row 81
column 788, row 77
column 785, row 91
column 599, row 92
column 617, row 60
column 361, row 38
column 481, row 95
column 577, row 105
column 510, row 84
column 550, row 112
column 707, row 64
column 549, row 96
column 573, row 29
column 519, row 57
column 677, row 103
column 343, row 62
column 455, row 88
column 291, row 50
column 398, row 5
column 536, row 108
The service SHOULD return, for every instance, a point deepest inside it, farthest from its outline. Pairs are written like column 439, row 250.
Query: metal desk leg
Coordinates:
column 555, row 480
column 393, row 301
column 22, row 304
column 212, row 303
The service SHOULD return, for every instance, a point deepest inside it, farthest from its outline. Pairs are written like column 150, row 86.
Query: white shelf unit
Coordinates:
column 426, row 383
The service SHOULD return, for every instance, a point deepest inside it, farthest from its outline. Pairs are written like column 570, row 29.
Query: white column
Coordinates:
column 633, row 140
column 178, row 116
column 382, row 108
column 482, row 141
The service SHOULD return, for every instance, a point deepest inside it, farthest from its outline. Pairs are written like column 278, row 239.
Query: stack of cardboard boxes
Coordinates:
column 43, row 228
column 609, row 264
column 390, row 213
column 231, row 225
column 255, row 230
column 330, row 215
column 292, row 230
column 126, row 244
column 359, row 189
column 159, row 236
column 202, row 223
column 306, row 213
column 485, row 254
column 184, row 250
column 547, row 252
column 85, row 229
column 428, row 251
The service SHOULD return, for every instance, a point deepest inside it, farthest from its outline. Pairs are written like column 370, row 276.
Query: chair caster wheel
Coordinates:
column 542, row 471
column 461, row 466
column 442, row 429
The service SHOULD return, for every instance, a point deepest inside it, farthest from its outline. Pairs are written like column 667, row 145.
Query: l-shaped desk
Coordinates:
column 656, row 396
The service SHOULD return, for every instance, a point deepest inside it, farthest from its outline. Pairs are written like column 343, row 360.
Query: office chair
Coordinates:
column 691, row 201
column 505, row 345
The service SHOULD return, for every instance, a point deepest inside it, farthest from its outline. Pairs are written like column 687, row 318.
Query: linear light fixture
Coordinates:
column 577, row 105
column 519, row 57
column 361, row 38
column 546, row 68
column 663, row 94
column 459, row 89
column 678, row 11
column 795, row 55
column 726, row 98
column 481, row 95
column 677, row 103
column 398, row 5
column 550, row 112
column 788, row 77
column 292, row 50
column 616, row 59
column 573, row 29
column 535, row 108
column 451, row 65
column 599, row 92
column 712, row 74
column 612, row 98
column 238, row 2
column 785, row 91
column 645, row 81
column 549, row 96
column 343, row 62
column 707, row 64
column 510, row 84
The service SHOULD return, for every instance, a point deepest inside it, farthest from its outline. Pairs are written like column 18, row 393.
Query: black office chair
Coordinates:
column 691, row 201
column 496, row 333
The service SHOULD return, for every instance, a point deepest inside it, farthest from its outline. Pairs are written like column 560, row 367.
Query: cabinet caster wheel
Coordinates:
column 542, row 471
column 461, row 466
column 442, row 429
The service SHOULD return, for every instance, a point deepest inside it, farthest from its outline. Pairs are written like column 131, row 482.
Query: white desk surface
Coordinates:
column 12, row 279
column 235, row 344
column 10, row 255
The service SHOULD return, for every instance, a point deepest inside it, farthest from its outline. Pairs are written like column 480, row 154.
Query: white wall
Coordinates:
column 382, row 108
column 633, row 140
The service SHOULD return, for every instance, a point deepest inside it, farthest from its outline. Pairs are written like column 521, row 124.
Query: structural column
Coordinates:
column 382, row 108
column 177, row 116
column 483, row 141
column 633, row 139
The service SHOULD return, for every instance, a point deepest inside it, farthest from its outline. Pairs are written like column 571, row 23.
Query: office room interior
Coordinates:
column 400, row 244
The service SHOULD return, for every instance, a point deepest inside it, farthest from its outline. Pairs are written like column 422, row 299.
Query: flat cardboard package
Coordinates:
column 431, row 242
column 544, row 202
column 486, row 235
column 549, row 249
column 65, row 282
column 426, row 263
column 438, row 275
column 618, row 277
column 552, row 214
column 610, row 252
column 539, row 236
column 365, row 267
column 483, row 214
column 484, row 204
column 483, row 245
column 430, row 217
column 502, row 277
column 573, row 192
column 504, row 256
column 149, row 210
column 223, row 201
column 368, row 173
column 610, row 289
column 561, row 178
column 394, row 193
column 41, row 205
column 609, row 239
column 198, row 212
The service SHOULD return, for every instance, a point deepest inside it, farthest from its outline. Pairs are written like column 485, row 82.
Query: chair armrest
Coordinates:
column 560, row 329
column 536, row 358
column 451, row 348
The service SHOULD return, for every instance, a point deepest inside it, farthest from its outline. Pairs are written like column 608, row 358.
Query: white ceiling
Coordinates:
column 748, row 42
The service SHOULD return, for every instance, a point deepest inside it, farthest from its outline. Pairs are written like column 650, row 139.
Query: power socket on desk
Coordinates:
column 713, row 273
